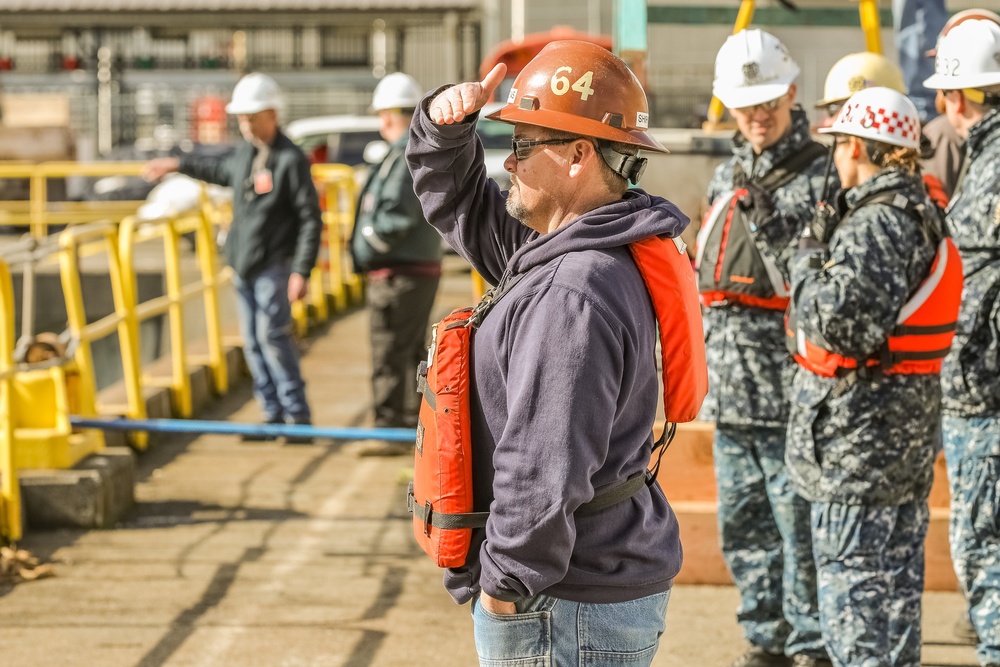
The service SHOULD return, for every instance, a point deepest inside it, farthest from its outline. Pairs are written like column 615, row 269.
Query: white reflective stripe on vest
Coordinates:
column 722, row 202
column 927, row 289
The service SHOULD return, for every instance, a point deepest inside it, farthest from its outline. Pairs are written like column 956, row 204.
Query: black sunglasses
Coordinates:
column 522, row 147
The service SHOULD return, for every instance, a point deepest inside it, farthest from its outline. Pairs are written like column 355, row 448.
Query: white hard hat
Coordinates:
column 397, row 91
column 967, row 57
column 254, row 92
column 881, row 114
column 857, row 71
column 752, row 67
column 959, row 18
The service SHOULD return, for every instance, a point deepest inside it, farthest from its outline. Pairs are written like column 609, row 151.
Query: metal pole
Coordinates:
column 232, row 428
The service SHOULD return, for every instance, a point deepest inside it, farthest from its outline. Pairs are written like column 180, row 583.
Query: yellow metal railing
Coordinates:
column 37, row 400
column 171, row 229
column 38, row 213
column 332, row 279
column 73, row 242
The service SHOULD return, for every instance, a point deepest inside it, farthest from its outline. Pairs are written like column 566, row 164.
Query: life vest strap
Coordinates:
column 424, row 389
column 430, row 517
column 612, row 495
column 924, row 329
column 927, row 355
column 616, row 493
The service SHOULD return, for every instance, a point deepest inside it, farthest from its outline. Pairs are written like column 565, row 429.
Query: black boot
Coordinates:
column 260, row 437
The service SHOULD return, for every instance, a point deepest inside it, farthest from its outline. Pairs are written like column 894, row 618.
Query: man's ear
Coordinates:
column 584, row 153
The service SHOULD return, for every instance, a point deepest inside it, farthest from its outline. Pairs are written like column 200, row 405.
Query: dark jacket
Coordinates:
column 565, row 389
column 281, row 225
column 389, row 228
column 864, row 439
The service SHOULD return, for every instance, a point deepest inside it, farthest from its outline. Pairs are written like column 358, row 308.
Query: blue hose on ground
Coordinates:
column 231, row 428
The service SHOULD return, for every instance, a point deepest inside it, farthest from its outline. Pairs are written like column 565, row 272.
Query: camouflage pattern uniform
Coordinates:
column 763, row 523
column 861, row 446
column 971, row 383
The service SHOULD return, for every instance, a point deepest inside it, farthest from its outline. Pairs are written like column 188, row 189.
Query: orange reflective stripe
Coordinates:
column 716, row 298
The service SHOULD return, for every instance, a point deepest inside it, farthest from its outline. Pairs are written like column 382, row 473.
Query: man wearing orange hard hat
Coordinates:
column 575, row 560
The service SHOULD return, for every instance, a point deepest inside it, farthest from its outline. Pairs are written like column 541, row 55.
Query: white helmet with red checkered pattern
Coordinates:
column 880, row 114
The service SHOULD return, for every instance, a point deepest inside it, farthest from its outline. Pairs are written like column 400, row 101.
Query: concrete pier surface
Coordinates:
column 247, row 554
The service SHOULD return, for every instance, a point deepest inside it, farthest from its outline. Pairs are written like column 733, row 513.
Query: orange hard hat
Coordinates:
column 962, row 17
column 580, row 87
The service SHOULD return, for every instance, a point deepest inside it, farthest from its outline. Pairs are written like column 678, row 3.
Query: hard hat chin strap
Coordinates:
column 629, row 167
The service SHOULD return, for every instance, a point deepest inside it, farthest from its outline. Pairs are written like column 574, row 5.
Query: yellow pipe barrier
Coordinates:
column 38, row 213
column 743, row 19
column 71, row 242
column 10, row 492
column 170, row 230
column 331, row 279
column 870, row 24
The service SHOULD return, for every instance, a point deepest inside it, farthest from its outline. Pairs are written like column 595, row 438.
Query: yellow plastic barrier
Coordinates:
column 331, row 279
column 10, row 495
column 135, row 231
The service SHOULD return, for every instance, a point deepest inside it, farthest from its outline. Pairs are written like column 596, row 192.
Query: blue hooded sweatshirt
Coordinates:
column 565, row 386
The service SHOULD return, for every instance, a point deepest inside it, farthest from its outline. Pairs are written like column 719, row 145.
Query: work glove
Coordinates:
column 757, row 204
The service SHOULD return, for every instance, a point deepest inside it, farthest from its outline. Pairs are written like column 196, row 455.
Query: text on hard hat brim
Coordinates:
column 978, row 80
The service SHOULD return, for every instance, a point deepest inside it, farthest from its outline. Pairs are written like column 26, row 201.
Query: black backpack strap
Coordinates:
column 929, row 217
column 787, row 169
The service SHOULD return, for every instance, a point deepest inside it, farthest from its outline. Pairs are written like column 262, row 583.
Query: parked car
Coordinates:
column 346, row 139
column 334, row 139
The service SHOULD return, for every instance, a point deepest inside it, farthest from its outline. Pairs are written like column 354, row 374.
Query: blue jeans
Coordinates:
column 916, row 24
column 550, row 632
column 870, row 563
column 972, row 451
column 266, row 326
column 764, row 533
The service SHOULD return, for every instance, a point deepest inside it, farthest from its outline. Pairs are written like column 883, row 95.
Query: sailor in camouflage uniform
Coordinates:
column 864, row 422
column 763, row 523
column 968, row 71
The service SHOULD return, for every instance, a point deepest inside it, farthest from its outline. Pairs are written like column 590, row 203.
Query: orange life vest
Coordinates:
column 440, row 496
column 730, row 267
column 924, row 327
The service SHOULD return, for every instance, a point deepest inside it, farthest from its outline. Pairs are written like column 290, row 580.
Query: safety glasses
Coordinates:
column 522, row 148
column 769, row 106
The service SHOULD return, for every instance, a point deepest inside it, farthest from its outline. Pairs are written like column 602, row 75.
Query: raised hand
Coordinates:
column 455, row 103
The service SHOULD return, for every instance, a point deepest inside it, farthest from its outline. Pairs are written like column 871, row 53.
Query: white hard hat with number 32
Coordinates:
column 967, row 57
